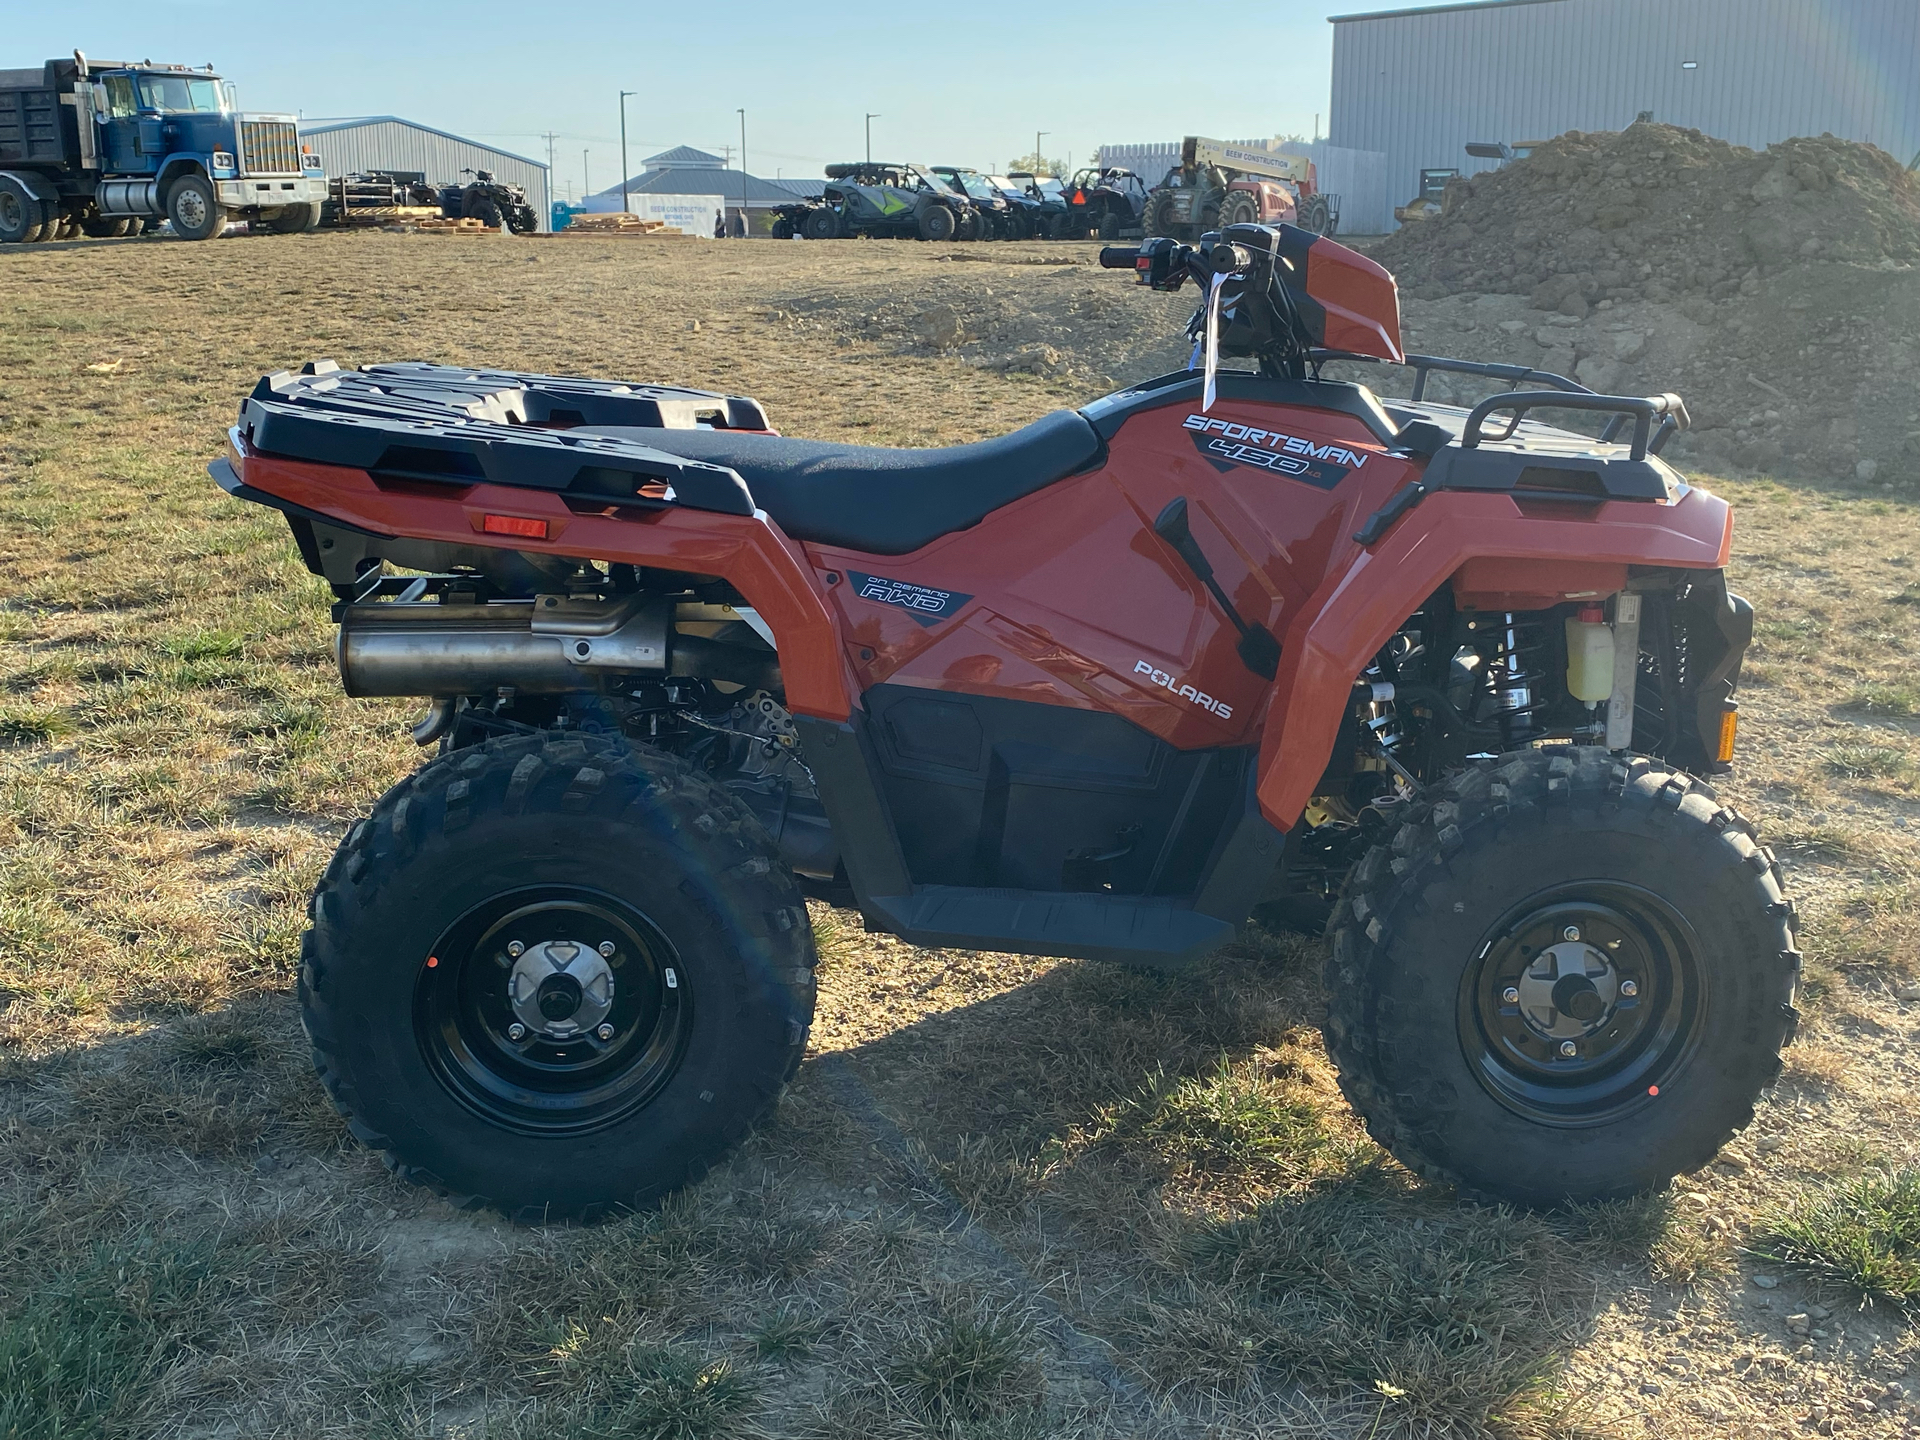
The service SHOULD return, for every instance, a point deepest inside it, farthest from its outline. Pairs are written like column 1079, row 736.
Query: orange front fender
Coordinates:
column 1336, row 634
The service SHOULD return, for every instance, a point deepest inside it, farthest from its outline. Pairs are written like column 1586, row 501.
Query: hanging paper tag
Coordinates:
column 1212, row 341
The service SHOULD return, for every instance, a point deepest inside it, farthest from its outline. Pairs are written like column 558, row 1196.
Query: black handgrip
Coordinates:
column 1643, row 409
column 1401, row 501
column 1119, row 257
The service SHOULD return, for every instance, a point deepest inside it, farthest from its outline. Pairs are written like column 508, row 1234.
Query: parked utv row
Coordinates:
column 953, row 202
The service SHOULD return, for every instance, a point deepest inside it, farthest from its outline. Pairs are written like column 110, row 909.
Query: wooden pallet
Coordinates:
column 622, row 223
column 455, row 227
column 386, row 214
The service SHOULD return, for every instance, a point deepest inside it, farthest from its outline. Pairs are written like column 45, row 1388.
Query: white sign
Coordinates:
column 693, row 214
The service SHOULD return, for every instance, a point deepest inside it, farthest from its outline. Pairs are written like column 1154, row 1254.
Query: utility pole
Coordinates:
column 744, row 226
column 870, row 119
column 625, row 205
column 586, row 180
column 1038, row 136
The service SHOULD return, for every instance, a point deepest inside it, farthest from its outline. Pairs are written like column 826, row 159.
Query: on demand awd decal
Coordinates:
column 925, row 604
column 1225, row 444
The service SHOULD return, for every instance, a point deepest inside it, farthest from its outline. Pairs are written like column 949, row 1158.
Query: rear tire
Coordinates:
column 938, row 223
column 821, row 224
column 193, row 209
column 483, row 208
column 411, row 991
column 1316, row 215
column 1241, row 209
column 294, row 219
column 22, row 218
column 1109, row 227
column 1446, row 1015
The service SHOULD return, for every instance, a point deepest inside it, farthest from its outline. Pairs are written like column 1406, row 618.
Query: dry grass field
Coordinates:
column 1005, row 1198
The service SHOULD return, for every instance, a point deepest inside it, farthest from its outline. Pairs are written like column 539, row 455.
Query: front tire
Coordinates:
column 674, row 943
column 193, row 209
column 1567, row 977
column 821, row 224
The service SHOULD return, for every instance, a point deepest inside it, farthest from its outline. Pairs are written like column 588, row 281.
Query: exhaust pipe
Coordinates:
column 550, row 645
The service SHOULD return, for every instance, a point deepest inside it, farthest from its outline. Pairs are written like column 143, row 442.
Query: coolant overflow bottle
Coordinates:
column 1589, row 654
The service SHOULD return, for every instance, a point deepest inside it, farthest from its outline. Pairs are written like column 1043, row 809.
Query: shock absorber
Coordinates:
column 1510, row 648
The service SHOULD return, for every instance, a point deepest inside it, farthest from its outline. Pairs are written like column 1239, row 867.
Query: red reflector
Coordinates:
column 1653, row 1089
column 515, row 525
column 432, row 960
column 1143, row 263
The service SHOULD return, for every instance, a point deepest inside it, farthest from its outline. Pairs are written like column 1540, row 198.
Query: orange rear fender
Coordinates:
column 749, row 552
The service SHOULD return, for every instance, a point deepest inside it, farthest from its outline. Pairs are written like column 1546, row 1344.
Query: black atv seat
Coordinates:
column 882, row 501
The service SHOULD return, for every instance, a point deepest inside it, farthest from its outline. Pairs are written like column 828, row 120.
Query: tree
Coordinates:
column 1037, row 164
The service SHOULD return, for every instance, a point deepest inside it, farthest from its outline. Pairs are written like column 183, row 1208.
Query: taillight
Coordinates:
column 515, row 525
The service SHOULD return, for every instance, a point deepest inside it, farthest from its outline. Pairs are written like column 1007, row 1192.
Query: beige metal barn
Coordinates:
column 387, row 142
column 1420, row 84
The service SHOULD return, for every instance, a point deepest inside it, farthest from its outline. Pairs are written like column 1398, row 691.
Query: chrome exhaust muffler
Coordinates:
column 550, row 645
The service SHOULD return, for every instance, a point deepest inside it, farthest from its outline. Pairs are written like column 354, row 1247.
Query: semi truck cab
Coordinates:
column 107, row 148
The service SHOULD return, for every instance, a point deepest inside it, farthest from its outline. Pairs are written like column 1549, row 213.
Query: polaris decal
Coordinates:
column 927, row 605
column 1226, row 443
column 1185, row 692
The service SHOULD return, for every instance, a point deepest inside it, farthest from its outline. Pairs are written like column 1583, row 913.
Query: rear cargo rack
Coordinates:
column 1524, row 458
column 413, row 422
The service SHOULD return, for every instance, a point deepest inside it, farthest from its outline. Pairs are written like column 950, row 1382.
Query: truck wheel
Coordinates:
column 937, row 222
column 1567, row 977
column 1316, row 215
column 22, row 218
column 1240, row 209
column 556, row 975
column 107, row 227
column 1159, row 217
column 193, row 209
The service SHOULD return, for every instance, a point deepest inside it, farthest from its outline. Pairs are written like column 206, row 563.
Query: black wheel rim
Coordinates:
column 1582, row 1002
column 553, row 1010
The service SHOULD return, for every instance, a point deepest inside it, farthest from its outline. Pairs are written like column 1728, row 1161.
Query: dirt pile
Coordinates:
column 1775, row 290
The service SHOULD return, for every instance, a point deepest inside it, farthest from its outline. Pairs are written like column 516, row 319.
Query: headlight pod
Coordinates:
column 221, row 160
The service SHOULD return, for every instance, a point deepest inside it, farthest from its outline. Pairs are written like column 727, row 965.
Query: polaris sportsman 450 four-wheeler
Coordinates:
column 1101, row 688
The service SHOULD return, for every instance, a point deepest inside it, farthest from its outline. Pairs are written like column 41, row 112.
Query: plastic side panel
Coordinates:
column 747, row 551
column 1361, row 301
column 1337, row 633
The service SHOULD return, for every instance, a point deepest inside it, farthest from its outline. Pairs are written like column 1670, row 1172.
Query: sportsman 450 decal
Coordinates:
column 1227, row 443
column 927, row 605
column 1185, row 692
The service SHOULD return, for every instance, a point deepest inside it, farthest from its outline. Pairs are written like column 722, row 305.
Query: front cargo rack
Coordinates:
column 415, row 422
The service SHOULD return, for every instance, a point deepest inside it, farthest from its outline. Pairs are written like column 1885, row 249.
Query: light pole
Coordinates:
column 870, row 119
column 624, row 172
column 1038, row 163
column 744, row 227
column 586, row 180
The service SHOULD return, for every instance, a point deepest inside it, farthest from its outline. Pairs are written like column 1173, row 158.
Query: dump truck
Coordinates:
column 109, row 148
column 1217, row 184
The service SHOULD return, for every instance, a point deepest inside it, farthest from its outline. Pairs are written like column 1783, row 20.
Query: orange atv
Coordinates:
column 1228, row 642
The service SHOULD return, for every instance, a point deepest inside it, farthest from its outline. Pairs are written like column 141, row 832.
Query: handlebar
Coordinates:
column 1119, row 257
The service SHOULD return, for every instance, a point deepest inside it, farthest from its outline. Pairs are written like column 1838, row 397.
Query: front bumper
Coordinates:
column 270, row 191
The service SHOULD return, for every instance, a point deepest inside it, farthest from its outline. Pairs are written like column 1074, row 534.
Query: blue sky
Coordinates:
column 953, row 84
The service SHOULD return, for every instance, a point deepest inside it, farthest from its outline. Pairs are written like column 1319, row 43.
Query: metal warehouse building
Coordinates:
column 1420, row 84
column 406, row 147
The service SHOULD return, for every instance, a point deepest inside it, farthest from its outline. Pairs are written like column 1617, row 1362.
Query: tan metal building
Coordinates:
column 387, row 142
column 1420, row 84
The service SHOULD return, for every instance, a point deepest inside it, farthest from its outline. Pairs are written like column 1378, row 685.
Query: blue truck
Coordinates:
column 109, row 149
